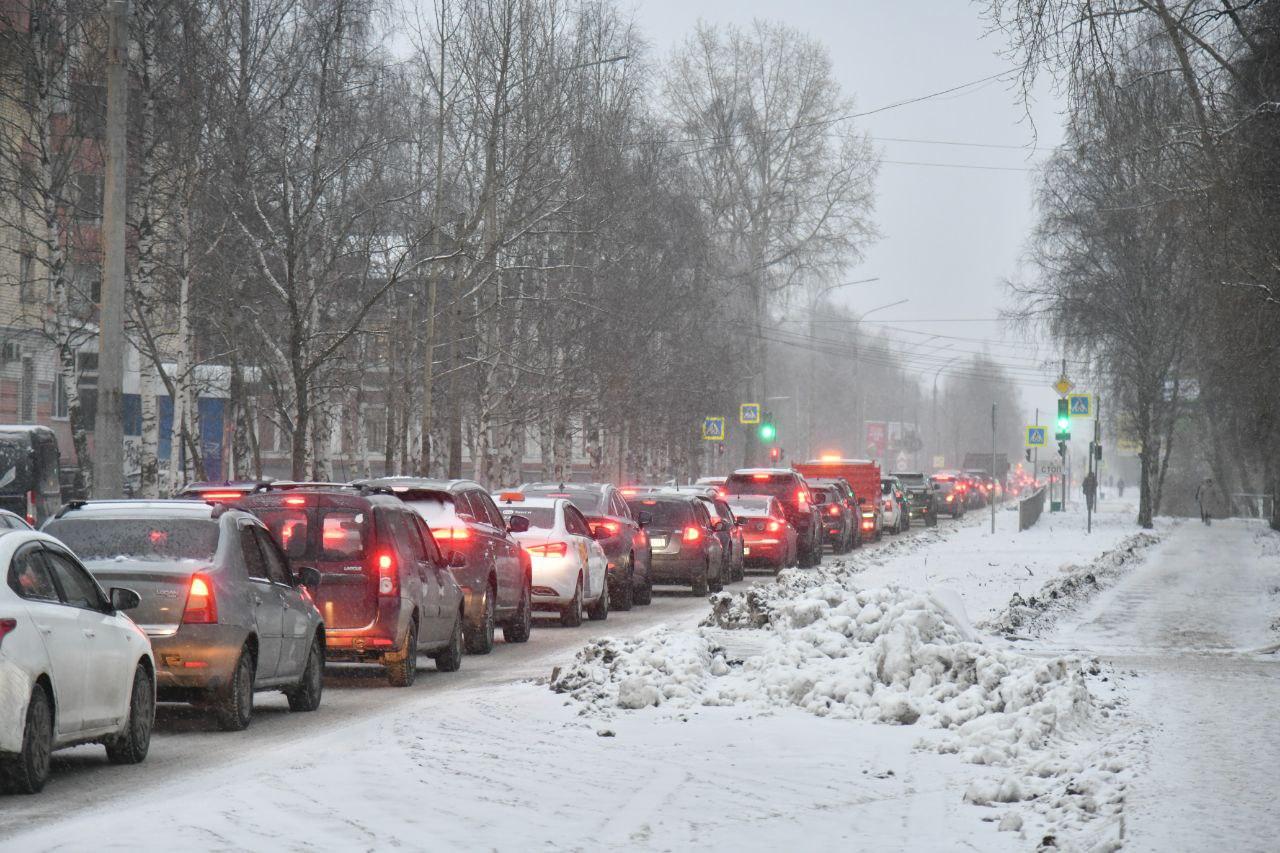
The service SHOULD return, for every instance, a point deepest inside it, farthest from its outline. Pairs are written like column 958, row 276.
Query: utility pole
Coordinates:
column 108, row 457
column 994, row 481
column 1035, row 453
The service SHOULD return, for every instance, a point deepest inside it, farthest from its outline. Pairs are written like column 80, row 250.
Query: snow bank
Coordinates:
column 885, row 655
column 1033, row 614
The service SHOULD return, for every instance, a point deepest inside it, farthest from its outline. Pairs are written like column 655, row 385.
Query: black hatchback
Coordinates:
column 685, row 541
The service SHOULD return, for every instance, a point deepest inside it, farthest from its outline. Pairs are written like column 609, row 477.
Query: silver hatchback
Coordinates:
column 226, row 614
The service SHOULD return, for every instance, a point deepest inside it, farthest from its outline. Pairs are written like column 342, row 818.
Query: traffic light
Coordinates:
column 1028, row 452
column 1062, row 449
column 1064, row 422
column 766, row 432
column 775, row 454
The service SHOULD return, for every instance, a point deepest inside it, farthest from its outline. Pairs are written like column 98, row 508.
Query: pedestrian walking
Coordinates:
column 1207, row 499
column 1090, row 488
column 1120, row 487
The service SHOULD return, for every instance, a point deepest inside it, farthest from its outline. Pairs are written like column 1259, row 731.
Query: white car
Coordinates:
column 73, row 668
column 892, row 518
column 568, row 563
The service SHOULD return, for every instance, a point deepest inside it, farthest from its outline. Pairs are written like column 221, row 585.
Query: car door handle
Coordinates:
column 89, row 634
column 45, row 630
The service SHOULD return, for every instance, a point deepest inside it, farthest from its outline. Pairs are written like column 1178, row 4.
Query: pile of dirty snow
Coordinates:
column 1033, row 614
column 887, row 655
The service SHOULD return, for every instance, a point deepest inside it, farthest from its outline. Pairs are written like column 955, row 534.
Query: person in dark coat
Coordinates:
column 1090, row 486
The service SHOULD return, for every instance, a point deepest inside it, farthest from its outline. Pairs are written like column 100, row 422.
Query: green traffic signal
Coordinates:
column 1064, row 421
column 767, row 432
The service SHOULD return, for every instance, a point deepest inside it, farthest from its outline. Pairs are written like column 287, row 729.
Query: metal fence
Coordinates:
column 1029, row 509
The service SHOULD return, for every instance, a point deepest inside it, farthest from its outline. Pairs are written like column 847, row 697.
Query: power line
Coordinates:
column 971, row 166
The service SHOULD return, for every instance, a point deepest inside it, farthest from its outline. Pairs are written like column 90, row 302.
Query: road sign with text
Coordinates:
column 713, row 428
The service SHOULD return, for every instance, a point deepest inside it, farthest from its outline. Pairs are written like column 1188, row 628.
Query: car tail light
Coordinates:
column 868, row 523
column 775, row 527
column 31, row 508
column 834, row 510
column 801, row 497
column 222, row 496
column 388, row 581
column 452, row 534
column 759, row 476
column 691, row 535
column 611, row 526
column 295, row 501
column 888, row 505
column 629, row 493
column 7, row 627
column 551, row 549
column 202, row 604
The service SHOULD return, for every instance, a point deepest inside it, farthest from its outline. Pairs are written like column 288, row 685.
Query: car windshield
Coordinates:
column 159, row 539
column 590, row 503
column 542, row 517
column 665, row 515
column 911, row 479
column 14, row 456
column 747, row 505
column 781, row 486
column 341, row 532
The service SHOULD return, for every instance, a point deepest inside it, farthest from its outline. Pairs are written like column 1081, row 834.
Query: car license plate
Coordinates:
column 746, row 552
column 659, row 542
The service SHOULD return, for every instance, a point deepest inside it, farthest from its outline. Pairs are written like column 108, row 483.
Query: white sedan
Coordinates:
column 568, row 563
column 73, row 668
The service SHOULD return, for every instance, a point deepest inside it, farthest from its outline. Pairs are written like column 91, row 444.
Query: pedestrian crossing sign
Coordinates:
column 1035, row 436
column 1080, row 405
column 713, row 429
column 749, row 413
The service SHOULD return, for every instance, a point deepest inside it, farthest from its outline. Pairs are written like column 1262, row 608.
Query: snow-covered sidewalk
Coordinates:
column 1190, row 633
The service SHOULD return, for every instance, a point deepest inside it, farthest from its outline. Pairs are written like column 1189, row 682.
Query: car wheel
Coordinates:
column 521, row 625
column 450, row 660
column 27, row 771
column 599, row 610
column 717, row 583
column 642, row 594
column 627, row 586
column 306, row 696
column 480, row 638
column 130, row 746
column 571, row 615
column 931, row 520
column 701, row 584
column 233, row 705
column 403, row 672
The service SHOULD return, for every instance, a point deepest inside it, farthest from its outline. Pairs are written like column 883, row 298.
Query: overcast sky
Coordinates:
column 950, row 236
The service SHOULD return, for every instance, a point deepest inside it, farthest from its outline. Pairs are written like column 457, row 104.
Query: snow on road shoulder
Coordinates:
column 823, row 643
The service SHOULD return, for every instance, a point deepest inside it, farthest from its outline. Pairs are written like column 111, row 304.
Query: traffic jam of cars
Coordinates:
column 231, row 589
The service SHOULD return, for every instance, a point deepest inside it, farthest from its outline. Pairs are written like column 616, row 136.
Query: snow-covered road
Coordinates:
column 1183, row 632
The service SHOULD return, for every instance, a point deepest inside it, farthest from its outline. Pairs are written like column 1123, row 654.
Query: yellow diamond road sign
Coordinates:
column 1063, row 386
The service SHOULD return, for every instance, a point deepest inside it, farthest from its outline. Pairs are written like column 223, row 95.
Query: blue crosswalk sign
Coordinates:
column 713, row 428
column 1035, row 436
column 1080, row 405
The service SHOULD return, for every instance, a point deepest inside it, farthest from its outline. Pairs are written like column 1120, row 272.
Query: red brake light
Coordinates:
column 691, row 534
column 388, row 581
column 759, row 476
column 202, row 605
column 612, row 526
column 222, row 496
column 774, row 527
column 629, row 493
column 7, row 627
column 295, row 501
column 834, row 510
column 801, row 497
column 31, row 508
column 455, row 534
column 551, row 549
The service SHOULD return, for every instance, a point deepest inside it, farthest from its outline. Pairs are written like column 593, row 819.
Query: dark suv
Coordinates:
column 386, row 592
column 921, row 497
column 685, row 540
column 226, row 614
column 839, row 490
column 497, row 575
column 797, row 499
column 625, row 543
column 30, row 485
column 839, row 523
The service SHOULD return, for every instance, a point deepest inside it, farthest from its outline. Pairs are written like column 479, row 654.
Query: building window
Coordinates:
column 27, row 277
column 60, row 407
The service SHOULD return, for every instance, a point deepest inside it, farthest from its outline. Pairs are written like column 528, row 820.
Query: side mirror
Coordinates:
column 720, row 527
column 518, row 524
column 740, row 521
column 643, row 518
column 124, row 599
column 309, row 577
column 457, row 560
